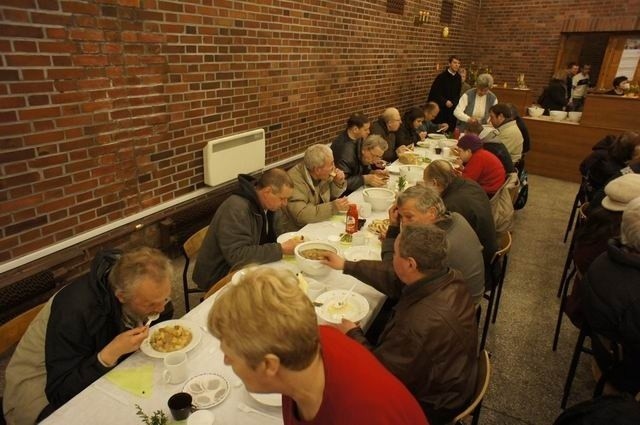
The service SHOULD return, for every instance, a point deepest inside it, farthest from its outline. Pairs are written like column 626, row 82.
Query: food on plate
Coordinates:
column 346, row 238
column 379, row 226
column 314, row 253
column 170, row 338
column 409, row 158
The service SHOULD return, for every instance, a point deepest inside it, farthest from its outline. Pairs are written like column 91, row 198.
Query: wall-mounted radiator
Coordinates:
column 229, row 156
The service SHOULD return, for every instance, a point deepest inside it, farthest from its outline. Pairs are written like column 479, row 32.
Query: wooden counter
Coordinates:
column 558, row 147
column 520, row 98
column 611, row 111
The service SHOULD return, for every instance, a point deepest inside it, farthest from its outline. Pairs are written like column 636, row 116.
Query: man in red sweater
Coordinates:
column 481, row 165
column 269, row 335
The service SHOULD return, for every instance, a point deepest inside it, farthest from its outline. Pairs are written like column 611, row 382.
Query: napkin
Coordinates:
column 136, row 380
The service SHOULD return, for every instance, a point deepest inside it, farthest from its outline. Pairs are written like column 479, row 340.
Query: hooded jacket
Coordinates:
column 58, row 355
column 241, row 232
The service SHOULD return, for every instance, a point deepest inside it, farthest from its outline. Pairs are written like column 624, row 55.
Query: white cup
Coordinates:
column 364, row 209
column 446, row 152
column 176, row 369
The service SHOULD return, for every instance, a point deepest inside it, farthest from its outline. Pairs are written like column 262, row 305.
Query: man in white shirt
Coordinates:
column 579, row 85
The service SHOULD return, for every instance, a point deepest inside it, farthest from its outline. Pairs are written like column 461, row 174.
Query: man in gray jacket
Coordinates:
column 242, row 230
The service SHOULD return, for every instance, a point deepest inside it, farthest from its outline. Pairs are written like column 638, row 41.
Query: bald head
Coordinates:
column 391, row 116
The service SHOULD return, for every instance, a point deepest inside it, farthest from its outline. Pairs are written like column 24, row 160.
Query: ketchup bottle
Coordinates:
column 456, row 133
column 352, row 219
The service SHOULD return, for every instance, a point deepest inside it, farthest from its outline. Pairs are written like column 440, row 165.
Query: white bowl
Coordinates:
column 575, row 116
column 413, row 173
column 379, row 198
column 313, row 267
column 557, row 115
column 535, row 111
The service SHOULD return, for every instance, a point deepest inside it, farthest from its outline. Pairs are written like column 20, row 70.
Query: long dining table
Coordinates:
column 111, row 400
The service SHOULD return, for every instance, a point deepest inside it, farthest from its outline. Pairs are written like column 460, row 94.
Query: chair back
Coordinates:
column 504, row 243
column 190, row 250
column 220, row 284
column 482, row 384
column 502, row 204
column 12, row 331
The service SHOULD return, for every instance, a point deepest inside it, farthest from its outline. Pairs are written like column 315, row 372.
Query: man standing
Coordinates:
column 572, row 70
column 430, row 341
column 357, row 163
column 243, row 229
column 85, row 330
column 387, row 126
column 445, row 91
column 315, row 182
column 580, row 84
column 270, row 337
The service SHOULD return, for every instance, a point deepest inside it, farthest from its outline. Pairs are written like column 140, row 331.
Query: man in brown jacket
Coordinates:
column 430, row 341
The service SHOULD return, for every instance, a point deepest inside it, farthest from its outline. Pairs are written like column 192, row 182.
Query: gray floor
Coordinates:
column 527, row 380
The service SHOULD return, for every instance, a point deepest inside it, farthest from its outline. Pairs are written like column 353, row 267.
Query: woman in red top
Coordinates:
column 481, row 165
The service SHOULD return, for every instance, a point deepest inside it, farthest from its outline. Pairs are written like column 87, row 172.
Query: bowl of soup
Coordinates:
column 309, row 255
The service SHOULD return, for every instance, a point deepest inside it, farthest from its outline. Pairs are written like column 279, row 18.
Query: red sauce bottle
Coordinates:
column 352, row 219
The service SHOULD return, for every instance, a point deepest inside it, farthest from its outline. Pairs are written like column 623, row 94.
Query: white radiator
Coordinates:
column 229, row 156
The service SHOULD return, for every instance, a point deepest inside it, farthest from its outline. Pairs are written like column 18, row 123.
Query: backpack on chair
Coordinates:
column 523, row 192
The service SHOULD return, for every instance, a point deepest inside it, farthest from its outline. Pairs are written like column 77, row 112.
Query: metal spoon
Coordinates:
column 151, row 318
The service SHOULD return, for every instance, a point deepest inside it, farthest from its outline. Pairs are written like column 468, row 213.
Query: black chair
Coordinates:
column 581, row 197
column 499, row 263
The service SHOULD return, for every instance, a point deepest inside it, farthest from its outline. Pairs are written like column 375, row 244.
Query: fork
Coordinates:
column 151, row 318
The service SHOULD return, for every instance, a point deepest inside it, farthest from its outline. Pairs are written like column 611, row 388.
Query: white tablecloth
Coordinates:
column 105, row 403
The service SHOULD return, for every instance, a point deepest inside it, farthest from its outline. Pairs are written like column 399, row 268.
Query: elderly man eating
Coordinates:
column 85, row 330
column 357, row 163
column 315, row 182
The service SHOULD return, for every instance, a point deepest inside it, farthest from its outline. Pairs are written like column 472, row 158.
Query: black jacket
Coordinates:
column 347, row 157
column 380, row 128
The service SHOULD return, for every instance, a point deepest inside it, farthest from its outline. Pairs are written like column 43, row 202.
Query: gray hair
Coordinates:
column 390, row 113
column 630, row 226
column 374, row 141
column 138, row 263
column 484, row 81
column 426, row 244
column 441, row 171
column 425, row 198
column 316, row 155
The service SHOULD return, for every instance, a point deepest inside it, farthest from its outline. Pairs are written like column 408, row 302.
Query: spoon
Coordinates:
column 340, row 303
column 243, row 407
column 151, row 318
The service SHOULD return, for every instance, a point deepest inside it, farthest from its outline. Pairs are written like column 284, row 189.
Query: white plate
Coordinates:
column 424, row 144
column 289, row 235
column 274, row 400
column 357, row 253
column 216, row 395
column 436, row 136
column 355, row 307
column 195, row 330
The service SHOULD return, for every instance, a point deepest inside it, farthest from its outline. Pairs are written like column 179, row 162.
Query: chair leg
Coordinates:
column 487, row 318
column 567, row 265
column 563, row 303
column 503, row 273
column 572, row 367
column 572, row 216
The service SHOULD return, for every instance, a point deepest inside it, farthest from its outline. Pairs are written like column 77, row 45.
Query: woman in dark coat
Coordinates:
column 408, row 132
column 554, row 96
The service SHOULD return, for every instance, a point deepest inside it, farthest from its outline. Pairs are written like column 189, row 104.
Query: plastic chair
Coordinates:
column 499, row 263
column 190, row 250
column 482, row 384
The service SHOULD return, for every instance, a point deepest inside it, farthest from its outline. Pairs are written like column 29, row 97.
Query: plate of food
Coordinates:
column 171, row 336
column 379, row 226
column 290, row 235
column 332, row 306
column 207, row 390
column 273, row 400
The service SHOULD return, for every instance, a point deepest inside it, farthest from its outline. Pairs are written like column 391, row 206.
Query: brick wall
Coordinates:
column 524, row 36
column 105, row 105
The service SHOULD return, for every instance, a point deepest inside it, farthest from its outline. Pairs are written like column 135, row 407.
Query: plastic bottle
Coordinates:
column 352, row 219
column 456, row 133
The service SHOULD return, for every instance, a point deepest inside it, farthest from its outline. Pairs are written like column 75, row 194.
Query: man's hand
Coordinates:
column 444, row 126
column 288, row 246
column 448, row 104
column 124, row 343
column 339, row 177
column 472, row 120
column 333, row 260
column 341, row 204
column 376, row 179
column 394, row 215
column 346, row 325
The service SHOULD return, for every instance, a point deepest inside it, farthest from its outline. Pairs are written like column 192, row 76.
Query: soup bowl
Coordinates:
column 311, row 266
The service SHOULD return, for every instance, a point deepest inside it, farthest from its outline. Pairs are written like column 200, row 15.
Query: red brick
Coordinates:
column 80, row 7
column 13, row 129
column 20, row 31
column 86, row 34
column 33, row 114
column 31, row 87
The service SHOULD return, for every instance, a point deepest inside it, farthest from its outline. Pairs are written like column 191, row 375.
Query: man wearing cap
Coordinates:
column 611, row 295
column 480, row 165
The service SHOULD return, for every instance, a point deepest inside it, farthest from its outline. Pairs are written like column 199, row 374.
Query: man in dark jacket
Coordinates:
column 387, row 126
column 445, row 91
column 430, row 340
column 358, row 127
column 243, row 229
column 466, row 198
column 356, row 163
column 85, row 330
column 611, row 300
